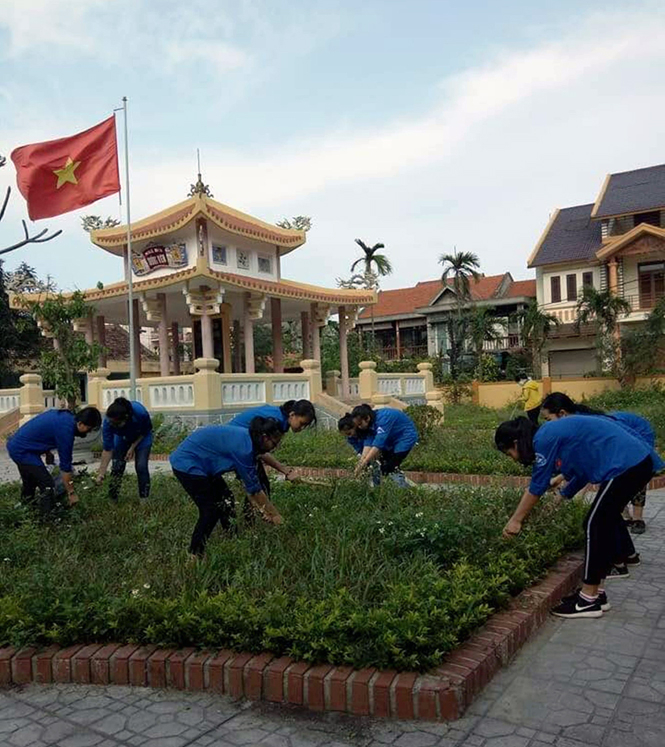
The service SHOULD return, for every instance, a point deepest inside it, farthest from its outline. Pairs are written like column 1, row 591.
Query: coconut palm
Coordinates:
column 374, row 263
column 461, row 268
column 483, row 327
column 604, row 308
column 375, row 266
column 535, row 327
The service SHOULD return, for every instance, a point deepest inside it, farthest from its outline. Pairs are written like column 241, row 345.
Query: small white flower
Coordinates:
column 381, row 530
column 310, row 515
column 146, row 586
column 6, row 560
column 135, row 592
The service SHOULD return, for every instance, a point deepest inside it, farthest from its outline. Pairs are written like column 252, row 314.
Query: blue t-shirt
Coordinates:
column 392, row 430
column 638, row 424
column 215, row 449
column 244, row 418
column 51, row 430
column 358, row 444
column 139, row 424
column 586, row 450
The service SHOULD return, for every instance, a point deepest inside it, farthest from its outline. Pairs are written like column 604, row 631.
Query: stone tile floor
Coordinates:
column 577, row 683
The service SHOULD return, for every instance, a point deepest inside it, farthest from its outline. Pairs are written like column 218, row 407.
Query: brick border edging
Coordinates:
column 440, row 695
column 512, row 481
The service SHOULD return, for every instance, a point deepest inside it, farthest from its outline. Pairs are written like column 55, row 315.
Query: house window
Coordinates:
column 652, row 283
column 243, row 260
column 219, row 254
column 652, row 218
column 555, row 284
column 587, row 279
column 571, row 287
column 265, row 265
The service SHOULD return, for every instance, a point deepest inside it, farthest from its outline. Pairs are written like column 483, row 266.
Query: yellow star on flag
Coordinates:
column 66, row 173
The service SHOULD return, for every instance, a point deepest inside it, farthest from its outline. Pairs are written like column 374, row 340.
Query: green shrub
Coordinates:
column 425, row 418
column 393, row 579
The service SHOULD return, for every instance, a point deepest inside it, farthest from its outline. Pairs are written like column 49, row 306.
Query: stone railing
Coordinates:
column 379, row 388
column 200, row 396
column 334, row 385
column 10, row 399
column 209, row 391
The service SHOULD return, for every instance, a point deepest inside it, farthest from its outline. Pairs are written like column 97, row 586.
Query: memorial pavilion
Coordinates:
column 208, row 267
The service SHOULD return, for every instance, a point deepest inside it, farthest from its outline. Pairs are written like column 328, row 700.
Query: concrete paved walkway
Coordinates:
column 578, row 683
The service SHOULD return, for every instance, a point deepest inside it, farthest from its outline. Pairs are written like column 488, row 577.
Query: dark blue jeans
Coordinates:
column 141, row 458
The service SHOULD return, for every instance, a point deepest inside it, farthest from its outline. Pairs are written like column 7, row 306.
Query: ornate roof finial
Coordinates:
column 199, row 188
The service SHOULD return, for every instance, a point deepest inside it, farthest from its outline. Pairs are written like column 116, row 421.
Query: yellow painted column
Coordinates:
column 32, row 397
column 368, row 380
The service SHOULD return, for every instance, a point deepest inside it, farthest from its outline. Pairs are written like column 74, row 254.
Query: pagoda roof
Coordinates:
column 175, row 217
column 287, row 289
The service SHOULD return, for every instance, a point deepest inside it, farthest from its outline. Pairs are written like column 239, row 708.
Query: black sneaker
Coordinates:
column 605, row 606
column 618, row 571
column 638, row 527
column 634, row 560
column 628, row 521
column 576, row 606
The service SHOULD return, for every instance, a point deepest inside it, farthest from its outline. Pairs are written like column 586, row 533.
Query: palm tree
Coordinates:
column 375, row 266
column 483, row 327
column 461, row 267
column 535, row 327
column 604, row 308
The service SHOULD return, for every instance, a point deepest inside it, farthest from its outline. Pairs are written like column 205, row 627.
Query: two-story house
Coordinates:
column 412, row 322
column 616, row 242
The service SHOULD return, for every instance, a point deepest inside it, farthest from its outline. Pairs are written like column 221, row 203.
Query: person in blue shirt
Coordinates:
column 348, row 429
column 205, row 456
column 51, row 430
column 585, row 450
column 294, row 415
column 388, row 435
column 558, row 405
column 127, row 435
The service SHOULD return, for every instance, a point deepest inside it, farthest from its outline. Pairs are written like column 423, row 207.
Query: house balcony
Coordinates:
column 502, row 344
column 390, row 352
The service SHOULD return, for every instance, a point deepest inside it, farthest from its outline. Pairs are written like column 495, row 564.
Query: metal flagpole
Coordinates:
column 132, row 352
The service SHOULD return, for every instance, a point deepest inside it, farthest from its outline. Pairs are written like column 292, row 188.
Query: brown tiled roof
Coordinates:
column 403, row 300
column 407, row 300
column 117, row 344
column 522, row 288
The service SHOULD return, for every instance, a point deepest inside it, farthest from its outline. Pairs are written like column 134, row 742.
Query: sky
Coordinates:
column 427, row 125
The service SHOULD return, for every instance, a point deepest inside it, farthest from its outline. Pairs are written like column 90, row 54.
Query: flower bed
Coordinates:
column 392, row 579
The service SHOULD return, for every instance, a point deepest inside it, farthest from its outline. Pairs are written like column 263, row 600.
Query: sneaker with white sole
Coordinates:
column 617, row 572
column 603, row 601
column 634, row 560
column 577, row 607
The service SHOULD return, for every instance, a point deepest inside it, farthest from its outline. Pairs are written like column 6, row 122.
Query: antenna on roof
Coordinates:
column 200, row 189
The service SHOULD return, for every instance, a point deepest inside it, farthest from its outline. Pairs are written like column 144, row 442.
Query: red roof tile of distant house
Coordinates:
column 522, row 289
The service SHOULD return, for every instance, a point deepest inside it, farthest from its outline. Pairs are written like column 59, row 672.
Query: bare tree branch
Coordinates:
column 39, row 238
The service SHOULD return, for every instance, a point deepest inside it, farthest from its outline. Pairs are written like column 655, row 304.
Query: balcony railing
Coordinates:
column 389, row 352
column 644, row 301
column 502, row 343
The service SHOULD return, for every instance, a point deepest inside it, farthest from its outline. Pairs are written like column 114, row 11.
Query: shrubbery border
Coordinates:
column 442, row 695
column 509, row 481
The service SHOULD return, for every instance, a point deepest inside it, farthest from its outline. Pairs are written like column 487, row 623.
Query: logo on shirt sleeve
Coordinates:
column 541, row 461
column 380, row 430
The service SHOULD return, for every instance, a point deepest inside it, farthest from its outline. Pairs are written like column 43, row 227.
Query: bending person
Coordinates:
column 294, row 415
column 530, row 397
column 49, row 431
column 388, row 435
column 348, row 429
column 589, row 450
column 201, row 461
column 127, row 435
column 558, row 405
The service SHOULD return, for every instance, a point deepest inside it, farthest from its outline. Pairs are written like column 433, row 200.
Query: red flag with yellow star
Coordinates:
column 62, row 175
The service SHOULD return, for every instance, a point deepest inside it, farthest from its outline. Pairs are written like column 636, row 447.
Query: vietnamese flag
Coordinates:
column 62, row 175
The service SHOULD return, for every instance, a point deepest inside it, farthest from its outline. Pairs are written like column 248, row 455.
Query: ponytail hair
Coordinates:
column 557, row 401
column 363, row 411
column 520, row 432
column 260, row 427
column 302, row 407
column 345, row 423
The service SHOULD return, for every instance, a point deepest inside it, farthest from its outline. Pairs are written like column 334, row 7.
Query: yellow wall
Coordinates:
column 579, row 389
column 500, row 394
